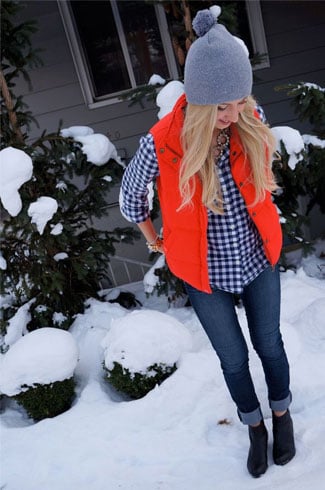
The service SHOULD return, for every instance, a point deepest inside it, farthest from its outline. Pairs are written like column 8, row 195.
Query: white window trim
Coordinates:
column 124, row 45
column 256, row 27
column 77, row 54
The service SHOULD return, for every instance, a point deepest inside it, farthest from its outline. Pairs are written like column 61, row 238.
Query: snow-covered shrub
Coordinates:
column 291, row 151
column 301, row 170
column 309, row 103
column 159, row 279
column 37, row 371
column 142, row 349
column 52, row 250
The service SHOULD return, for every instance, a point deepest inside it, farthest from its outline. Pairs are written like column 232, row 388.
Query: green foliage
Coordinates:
column 136, row 95
column 47, row 401
column 168, row 284
column 137, row 385
column 309, row 103
column 286, row 199
column 80, row 188
column 314, row 179
column 17, row 55
column 309, row 174
column 17, row 51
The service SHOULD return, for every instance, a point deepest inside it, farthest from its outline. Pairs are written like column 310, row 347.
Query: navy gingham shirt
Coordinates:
column 235, row 250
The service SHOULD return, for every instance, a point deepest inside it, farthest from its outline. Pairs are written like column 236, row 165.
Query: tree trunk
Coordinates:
column 10, row 107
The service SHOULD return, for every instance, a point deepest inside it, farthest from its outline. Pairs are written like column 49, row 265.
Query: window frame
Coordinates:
column 256, row 28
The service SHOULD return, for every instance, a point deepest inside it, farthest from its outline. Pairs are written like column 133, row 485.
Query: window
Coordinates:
column 118, row 44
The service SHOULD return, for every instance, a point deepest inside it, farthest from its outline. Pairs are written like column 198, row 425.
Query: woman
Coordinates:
column 211, row 158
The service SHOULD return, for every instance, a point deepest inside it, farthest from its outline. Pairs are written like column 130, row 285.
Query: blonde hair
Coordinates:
column 258, row 145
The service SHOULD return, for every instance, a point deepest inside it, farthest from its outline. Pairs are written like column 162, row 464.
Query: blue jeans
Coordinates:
column 217, row 314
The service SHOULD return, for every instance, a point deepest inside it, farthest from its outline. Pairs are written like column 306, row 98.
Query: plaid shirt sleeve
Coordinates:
column 261, row 114
column 140, row 172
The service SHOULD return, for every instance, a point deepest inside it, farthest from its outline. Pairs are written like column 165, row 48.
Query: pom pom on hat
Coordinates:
column 215, row 11
column 203, row 21
column 217, row 68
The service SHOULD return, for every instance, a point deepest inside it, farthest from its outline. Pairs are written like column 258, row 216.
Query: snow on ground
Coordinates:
column 175, row 438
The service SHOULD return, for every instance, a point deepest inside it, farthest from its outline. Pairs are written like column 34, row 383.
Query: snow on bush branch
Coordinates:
column 97, row 147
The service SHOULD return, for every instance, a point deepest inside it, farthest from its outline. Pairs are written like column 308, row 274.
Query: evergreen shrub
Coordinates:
column 60, row 286
column 56, row 267
column 137, row 385
column 308, row 100
column 47, row 401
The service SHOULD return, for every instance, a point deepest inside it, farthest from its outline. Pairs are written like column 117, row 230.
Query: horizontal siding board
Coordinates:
column 75, row 113
column 47, row 17
column 266, row 91
column 282, row 114
column 123, row 132
column 115, row 219
column 298, row 40
column 284, row 16
column 48, row 76
column 125, row 127
column 50, row 35
column 55, row 51
column 111, row 117
column 109, row 112
column 54, row 99
column 295, row 64
column 38, row 9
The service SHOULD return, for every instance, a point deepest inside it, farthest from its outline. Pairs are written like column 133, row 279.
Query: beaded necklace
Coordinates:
column 222, row 140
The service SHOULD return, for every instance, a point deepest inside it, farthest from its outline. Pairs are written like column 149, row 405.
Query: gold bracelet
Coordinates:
column 155, row 245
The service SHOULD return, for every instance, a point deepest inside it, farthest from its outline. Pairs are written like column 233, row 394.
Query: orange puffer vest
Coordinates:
column 185, row 231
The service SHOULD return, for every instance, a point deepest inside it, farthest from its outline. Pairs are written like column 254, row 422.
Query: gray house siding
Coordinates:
column 296, row 47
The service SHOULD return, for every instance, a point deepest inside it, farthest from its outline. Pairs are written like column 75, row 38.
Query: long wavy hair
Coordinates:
column 258, row 145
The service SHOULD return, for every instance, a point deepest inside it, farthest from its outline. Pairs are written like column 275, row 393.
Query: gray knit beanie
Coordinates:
column 217, row 68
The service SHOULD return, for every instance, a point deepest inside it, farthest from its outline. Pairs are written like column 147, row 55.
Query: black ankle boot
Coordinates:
column 283, row 439
column 257, row 455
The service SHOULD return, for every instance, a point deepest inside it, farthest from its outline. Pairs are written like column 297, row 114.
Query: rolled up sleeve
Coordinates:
column 140, row 172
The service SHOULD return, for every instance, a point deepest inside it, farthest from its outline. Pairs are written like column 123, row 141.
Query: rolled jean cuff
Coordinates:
column 251, row 418
column 280, row 405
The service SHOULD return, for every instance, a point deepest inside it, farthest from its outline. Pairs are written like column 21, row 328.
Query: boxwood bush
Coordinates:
column 46, row 401
column 137, row 385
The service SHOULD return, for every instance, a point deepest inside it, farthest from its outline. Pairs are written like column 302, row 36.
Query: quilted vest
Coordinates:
column 185, row 231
